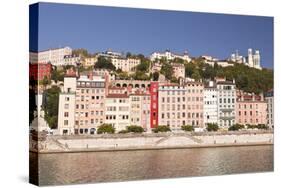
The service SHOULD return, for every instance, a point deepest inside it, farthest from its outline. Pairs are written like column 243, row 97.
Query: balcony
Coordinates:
column 227, row 109
column 227, row 117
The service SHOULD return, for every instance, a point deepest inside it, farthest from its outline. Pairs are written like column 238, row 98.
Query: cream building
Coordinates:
column 117, row 111
column 72, row 60
column 66, row 113
column 89, row 61
column 179, row 70
column 53, row 56
column 140, row 110
column 125, row 64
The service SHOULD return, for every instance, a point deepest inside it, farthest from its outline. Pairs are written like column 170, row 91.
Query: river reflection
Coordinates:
column 70, row 168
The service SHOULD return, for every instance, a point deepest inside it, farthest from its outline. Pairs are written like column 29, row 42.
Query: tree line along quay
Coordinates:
column 110, row 92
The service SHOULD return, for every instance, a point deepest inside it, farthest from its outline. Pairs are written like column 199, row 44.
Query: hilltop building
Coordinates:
column 54, row 56
column 168, row 55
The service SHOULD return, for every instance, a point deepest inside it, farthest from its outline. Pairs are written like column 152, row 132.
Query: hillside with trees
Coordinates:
column 246, row 78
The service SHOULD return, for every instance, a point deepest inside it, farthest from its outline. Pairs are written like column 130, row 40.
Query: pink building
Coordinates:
column 250, row 109
column 195, row 104
column 90, row 104
column 181, row 105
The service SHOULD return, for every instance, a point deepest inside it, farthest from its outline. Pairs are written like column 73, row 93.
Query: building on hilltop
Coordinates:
column 168, row 55
column 251, row 60
column 126, row 64
column 54, row 56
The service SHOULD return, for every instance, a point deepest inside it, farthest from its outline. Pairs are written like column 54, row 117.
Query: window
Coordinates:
column 65, row 122
column 66, row 98
column 65, row 114
column 66, row 106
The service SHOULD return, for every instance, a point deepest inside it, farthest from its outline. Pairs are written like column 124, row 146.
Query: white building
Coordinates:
column 226, row 102
column 66, row 115
column 169, row 56
column 109, row 54
column 211, row 61
column 210, row 103
column 269, row 98
column 117, row 111
column 235, row 57
column 125, row 64
column 253, row 60
column 53, row 56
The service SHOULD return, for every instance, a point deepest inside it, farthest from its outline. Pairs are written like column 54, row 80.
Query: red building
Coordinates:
column 154, row 104
column 40, row 70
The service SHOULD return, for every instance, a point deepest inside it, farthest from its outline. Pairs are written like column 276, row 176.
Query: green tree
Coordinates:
column 189, row 69
column 236, row 127
column 155, row 76
column 196, row 75
column 123, row 76
column 212, row 127
column 187, row 128
column 123, row 131
column 46, row 81
column 161, row 128
column 106, row 128
column 143, row 66
column 167, row 71
column 128, row 54
column 57, row 75
column 50, row 105
column 135, row 129
column 82, row 52
column 178, row 60
column 174, row 80
column 104, row 63
column 139, row 75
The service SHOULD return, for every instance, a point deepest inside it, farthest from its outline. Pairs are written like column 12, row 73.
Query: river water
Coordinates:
column 90, row 167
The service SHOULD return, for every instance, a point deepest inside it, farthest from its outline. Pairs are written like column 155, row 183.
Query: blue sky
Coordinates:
column 143, row 31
